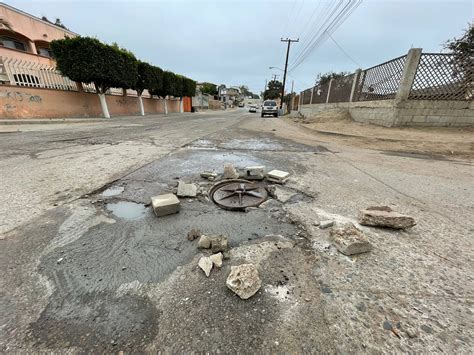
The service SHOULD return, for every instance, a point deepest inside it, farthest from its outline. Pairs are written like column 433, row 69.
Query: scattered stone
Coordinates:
column 194, row 234
column 387, row 325
column 384, row 216
column 283, row 195
column 326, row 224
column 216, row 259
column 244, row 280
column 349, row 240
column 278, row 176
column 316, row 223
column 230, row 172
column 254, row 173
column 165, row 204
column 205, row 264
column 204, row 242
column 269, row 204
column 59, row 260
column 249, row 209
column 219, row 243
column 226, row 255
column 209, row 175
column 186, row 190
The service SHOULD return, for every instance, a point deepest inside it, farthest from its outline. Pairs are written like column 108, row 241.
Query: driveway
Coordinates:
column 81, row 276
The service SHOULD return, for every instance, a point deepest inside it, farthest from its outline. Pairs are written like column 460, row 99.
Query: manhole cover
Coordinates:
column 237, row 194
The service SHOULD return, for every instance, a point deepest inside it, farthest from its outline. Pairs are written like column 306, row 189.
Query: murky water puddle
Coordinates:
column 127, row 210
column 113, row 191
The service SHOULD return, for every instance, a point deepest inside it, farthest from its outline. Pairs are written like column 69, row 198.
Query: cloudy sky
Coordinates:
column 235, row 42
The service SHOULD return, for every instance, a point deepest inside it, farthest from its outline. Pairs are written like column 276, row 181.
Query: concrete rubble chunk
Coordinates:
column 230, row 172
column 205, row 264
column 283, row 195
column 165, row 204
column 244, row 280
column 278, row 176
column 219, row 243
column 254, row 173
column 194, row 234
column 350, row 240
column 384, row 216
column 186, row 190
column 217, row 259
column 204, row 242
column 209, row 175
column 326, row 224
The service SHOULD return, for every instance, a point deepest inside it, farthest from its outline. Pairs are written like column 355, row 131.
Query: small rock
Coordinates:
column 244, row 280
column 194, row 234
column 387, row 325
column 326, row 224
column 254, row 173
column 219, row 243
column 230, row 172
column 249, row 209
column 210, row 175
column 59, row 260
column 349, row 240
column 316, row 223
column 186, row 190
column 226, row 255
column 216, row 259
column 205, row 264
column 384, row 216
column 283, row 195
column 204, row 242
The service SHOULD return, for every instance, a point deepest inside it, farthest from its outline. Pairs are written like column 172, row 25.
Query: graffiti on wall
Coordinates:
column 21, row 96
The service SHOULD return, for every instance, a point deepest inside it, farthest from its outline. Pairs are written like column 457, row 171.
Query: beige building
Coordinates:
column 26, row 37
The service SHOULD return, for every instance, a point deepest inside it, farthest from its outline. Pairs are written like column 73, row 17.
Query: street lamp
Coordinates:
column 276, row 68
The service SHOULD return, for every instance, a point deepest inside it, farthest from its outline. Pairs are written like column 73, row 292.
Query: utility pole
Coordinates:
column 286, row 66
column 275, row 76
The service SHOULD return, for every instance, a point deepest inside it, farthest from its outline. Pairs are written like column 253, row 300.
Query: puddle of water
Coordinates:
column 113, row 191
column 127, row 210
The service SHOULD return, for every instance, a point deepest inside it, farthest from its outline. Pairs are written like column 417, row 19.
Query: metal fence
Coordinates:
column 443, row 77
column 380, row 82
column 341, row 89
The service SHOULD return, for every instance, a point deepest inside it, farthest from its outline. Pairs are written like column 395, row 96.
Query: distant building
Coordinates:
column 26, row 37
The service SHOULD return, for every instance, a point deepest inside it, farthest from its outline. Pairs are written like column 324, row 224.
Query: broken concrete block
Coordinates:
column 186, row 190
column 165, row 204
column 210, row 175
column 230, row 172
column 254, row 173
column 205, row 264
column 194, row 234
column 350, row 240
column 283, row 195
column 216, row 259
column 204, row 242
column 244, row 280
column 219, row 243
column 326, row 224
column 384, row 216
column 278, row 176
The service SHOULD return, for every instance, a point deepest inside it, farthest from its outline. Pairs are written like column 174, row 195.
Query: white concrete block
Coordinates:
column 165, row 204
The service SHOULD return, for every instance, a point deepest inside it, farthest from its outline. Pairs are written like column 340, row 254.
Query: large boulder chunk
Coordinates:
column 186, row 190
column 244, row 280
column 350, row 240
column 219, row 243
column 230, row 172
column 205, row 263
column 384, row 216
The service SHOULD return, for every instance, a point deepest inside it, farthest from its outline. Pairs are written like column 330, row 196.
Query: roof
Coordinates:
column 36, row 18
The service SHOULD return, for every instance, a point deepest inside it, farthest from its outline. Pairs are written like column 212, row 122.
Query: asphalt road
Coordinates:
column 79, row 276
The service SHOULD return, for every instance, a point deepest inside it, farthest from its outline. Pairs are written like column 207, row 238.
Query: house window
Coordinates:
column 46, row 52
column 13, row 43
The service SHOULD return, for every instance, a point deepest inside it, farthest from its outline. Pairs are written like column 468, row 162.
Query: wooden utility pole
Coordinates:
column 286, row 67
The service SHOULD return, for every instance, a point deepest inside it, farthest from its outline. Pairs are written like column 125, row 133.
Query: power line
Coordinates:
column 343, row 51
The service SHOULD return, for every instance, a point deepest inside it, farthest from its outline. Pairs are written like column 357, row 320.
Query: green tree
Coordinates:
column 273, row 90
column 149, row 77
column 209, row 88
column 463, row 45
column 322, row 79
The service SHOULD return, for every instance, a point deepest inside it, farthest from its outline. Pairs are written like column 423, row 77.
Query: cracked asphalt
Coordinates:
column 78, row 278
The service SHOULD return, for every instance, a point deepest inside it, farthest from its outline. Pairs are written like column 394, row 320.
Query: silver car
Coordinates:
column 270, row 107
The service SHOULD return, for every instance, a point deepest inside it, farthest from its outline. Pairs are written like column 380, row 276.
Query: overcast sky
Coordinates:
column 234, row 42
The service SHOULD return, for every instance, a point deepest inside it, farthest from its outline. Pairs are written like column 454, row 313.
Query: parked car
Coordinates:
column 241, row 104
column 270, row 107
column 253, row 108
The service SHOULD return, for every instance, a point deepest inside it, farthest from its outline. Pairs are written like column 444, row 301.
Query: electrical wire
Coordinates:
column 343, row 51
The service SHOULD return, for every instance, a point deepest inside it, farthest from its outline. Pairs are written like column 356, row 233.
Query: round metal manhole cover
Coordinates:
column 237, row 194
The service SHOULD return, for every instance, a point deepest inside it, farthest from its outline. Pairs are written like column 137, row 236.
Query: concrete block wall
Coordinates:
column 25, row 102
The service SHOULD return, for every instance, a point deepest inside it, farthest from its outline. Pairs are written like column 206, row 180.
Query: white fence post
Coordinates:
column 409, row 71
column 329, row 90
column 354, row 84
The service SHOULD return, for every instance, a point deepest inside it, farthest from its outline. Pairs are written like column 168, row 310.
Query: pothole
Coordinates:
column 127, row 210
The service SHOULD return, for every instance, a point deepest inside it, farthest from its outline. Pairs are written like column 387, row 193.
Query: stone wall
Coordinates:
column 24, row 102
column 407, row 113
